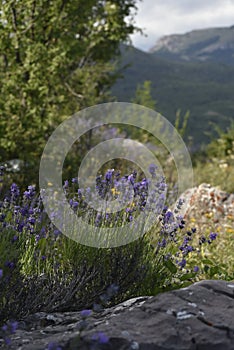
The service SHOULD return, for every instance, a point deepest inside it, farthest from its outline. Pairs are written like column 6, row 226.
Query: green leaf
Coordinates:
column 207, row 262
column 214, row 270
column 171, row 267
column 188, row 276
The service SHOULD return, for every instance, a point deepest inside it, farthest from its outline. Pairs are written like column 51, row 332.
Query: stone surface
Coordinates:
column 209, row 205
column 198, row 317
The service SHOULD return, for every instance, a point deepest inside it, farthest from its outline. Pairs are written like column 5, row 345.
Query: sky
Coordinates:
column 163, row 17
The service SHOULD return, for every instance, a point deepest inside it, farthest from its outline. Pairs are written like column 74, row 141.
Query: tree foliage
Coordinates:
column 223, row 146
column 56, row 57
column 143, row 95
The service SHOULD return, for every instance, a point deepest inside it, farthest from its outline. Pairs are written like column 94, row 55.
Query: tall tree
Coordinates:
column 56, row 57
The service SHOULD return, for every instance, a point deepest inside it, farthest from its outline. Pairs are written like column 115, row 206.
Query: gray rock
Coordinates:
column 197, row 317
column 209, row 205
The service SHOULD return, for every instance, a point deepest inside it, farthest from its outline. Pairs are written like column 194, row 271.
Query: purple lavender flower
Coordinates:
column 152, row 169
column 2, row 168
column 182, row 224
column 163, row 243
column 24, row 210
column 98, row 220
column 182, row 263
column 30, row 193
column 79, row 192
column 31, row 211
column 1, row 273
column 57, row 232
column 83, row 324
column 73, row 204
column 4, row 328
column 196, row 269
column 31, row 220
column 15, row 192
column 168, row 218
column 101, row 337
column 14, row 326
column 7, row 341
column 112, row 290
column 108, row 175
column 213, row 236
column 186, row 240
column 130, row 218
column 15, row 238
column 2, row 217
column 202, row 240
column 180, row 202
column 131, row 179
column 20, row 226
column 66, row 184
column 53, row 346
column 190, row 248
column 43, row 231
column 85, row 313
column 10, row 264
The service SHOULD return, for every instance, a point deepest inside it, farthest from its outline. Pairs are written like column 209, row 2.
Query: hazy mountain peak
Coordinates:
column 216, row 44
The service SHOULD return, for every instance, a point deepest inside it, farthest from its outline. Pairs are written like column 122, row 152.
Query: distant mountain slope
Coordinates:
column 213, row 44
column 204, row 88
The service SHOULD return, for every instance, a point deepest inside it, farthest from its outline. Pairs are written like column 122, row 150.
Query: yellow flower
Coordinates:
column 55, row 194
column 230, row 230
column 131, row 205
column 114, row 191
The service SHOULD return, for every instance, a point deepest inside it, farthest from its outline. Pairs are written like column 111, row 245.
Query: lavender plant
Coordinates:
column 36, row 258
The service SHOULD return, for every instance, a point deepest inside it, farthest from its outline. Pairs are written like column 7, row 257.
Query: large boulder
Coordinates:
column 199, row 317
column 208, row 205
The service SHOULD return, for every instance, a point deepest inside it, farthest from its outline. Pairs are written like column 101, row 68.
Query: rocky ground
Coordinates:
column 198, row 317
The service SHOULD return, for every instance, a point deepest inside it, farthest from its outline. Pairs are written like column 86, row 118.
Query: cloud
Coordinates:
column 164, row 17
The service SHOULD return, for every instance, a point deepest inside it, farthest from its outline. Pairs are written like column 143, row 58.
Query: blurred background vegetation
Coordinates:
column 55, row 61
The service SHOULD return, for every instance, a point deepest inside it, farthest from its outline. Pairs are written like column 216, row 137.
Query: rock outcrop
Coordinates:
column 197, row 317
column 209, row 205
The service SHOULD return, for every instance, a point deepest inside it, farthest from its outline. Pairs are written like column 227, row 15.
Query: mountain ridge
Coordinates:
column 204, row 87
column 211, row 44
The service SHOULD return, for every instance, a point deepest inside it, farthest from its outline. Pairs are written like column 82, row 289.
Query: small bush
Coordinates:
column 43, row 270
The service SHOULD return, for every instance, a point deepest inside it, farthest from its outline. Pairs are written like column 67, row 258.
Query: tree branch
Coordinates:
column 73, row 92
column 14, row 20
column 32, row 18
column 62, row 5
